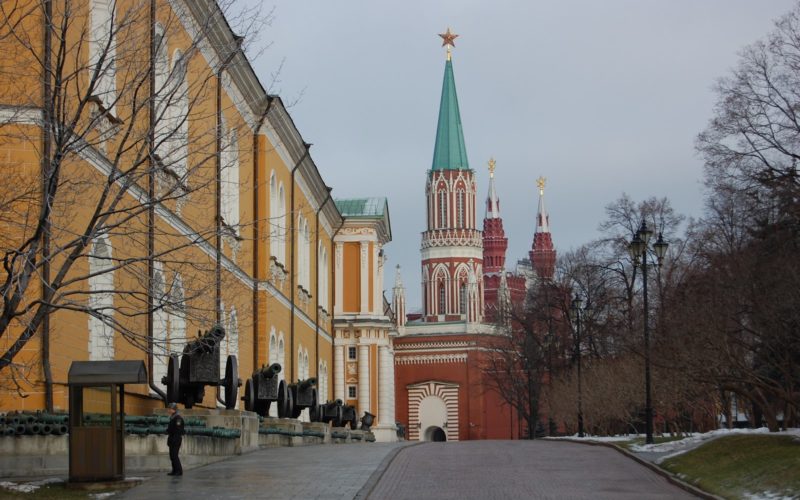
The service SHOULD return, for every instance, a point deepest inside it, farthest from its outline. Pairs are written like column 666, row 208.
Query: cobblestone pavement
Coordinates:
column 518, row 469
column 307, row 472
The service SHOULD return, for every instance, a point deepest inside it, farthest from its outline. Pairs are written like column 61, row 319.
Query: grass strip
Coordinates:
column 740, row 466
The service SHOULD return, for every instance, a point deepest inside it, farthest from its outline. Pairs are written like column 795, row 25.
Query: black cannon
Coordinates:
column 367, row 420
column 199, row 367
column 263, row 388
column 304, row 395
column 349, row 416
column 338, row 414
column 331, row 412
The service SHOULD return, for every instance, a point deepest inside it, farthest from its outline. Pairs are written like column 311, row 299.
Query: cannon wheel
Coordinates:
column 283, row 399
column 314, row 412
column 231, row 382
column 249, row 397
column 296, row 409
column 262, row 407
column 337, row 420
column 353, row 423
column 173, row 379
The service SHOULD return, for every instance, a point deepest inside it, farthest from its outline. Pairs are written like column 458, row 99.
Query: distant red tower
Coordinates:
column 542, row 254
column 498, row 284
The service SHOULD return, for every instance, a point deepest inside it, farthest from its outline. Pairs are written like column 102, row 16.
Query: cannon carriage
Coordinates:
column 304, row 395
column 198, row 366
column 338, row 413
column 263, row 388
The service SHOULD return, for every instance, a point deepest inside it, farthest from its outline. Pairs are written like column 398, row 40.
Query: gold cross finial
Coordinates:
column 491, row 167
column 540, row 182
column 448, row 40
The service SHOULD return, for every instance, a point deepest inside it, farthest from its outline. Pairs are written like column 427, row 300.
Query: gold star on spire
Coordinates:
column 491, row 167
column 540, row 182
column 448, row 40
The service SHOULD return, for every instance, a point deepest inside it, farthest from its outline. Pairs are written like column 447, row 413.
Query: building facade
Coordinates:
column 155, row 189
column 363, row 327
column 441, row 388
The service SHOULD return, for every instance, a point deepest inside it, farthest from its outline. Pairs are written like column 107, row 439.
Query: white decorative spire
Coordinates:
column 542, row 218
column 399, row 299
column 492, row 202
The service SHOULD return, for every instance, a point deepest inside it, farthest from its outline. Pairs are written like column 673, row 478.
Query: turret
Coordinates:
column 542, row 254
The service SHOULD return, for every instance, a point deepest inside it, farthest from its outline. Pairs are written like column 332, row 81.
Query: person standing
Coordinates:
column 174, row 438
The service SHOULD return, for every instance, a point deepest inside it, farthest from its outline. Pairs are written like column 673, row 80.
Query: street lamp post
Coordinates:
column 638, row 249
column 575, row 313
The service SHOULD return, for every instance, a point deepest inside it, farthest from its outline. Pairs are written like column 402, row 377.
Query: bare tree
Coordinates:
column 109, row 205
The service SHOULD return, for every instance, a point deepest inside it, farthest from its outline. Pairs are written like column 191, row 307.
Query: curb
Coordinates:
column 376, row 475
column 694, row 490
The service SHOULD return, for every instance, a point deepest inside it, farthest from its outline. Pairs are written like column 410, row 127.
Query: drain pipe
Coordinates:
column 46, row 151
column 293, row 280
column 316, row 279
column 256, row 232
column 151, row 214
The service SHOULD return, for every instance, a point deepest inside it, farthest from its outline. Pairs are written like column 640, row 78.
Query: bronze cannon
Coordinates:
column 265, row 387
column 304, row 395
column 197, row 367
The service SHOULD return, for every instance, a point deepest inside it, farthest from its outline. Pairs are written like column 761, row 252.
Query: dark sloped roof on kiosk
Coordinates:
column 107, row 372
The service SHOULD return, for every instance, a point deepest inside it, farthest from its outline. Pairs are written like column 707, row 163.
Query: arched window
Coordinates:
column 282, row 356
column 322, row 269
column 281, row 225
column 273, row 358
column 303, row 253
column 160, row 322
column 177, row 316
column 102, row 52
column 162, row 135
column 462, row 297
column 306, row 243
column 273, row 215
column 101, row 301
column 178, row 116
column 460, row 197
column 230, row 179
column 442, row 298
column 442, row 208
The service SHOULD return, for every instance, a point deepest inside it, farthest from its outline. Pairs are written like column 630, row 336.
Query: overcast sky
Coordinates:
column 600, row 97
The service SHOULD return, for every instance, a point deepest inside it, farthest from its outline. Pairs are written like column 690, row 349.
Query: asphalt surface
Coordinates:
column 519, row 469
column 306, row 472
column 456, row 470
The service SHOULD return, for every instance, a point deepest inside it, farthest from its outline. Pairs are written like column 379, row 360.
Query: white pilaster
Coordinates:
column 339, row 285
column 363, row 379
column 338, row 360
column 377, row 283
column 383, row 386
column 390, row 378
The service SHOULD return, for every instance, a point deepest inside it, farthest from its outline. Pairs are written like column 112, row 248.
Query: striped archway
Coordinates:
column 447, row 392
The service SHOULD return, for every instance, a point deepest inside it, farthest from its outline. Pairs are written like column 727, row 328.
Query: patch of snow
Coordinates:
column 99, row 496
column 768, row 495
column 695, row 439
column 20, row 488
column 30, row 486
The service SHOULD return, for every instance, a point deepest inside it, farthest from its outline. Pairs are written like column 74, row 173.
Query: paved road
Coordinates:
column 518, row 469
column 307, row 472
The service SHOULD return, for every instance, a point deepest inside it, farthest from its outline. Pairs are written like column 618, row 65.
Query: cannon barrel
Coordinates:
column 270, row 371
column 305, row 384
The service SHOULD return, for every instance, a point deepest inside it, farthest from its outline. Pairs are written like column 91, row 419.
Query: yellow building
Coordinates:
column 152, row 189
column 364, row 328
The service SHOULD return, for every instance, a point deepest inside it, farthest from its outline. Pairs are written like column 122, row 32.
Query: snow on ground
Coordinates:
column 674, row 448
column 768, row 495
column 30, row 486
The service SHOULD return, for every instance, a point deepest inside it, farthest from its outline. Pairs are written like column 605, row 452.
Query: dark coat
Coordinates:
column 175, row 430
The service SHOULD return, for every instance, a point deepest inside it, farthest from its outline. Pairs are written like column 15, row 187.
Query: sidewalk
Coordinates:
column 307, row 472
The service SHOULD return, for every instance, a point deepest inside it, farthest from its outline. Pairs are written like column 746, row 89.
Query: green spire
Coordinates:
column 449, row 152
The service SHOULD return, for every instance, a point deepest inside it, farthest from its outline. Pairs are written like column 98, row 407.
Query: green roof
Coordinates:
column 362, row 207
column 449, row 152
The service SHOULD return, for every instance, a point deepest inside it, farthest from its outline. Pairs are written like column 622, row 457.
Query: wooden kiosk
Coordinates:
column 97, row 444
